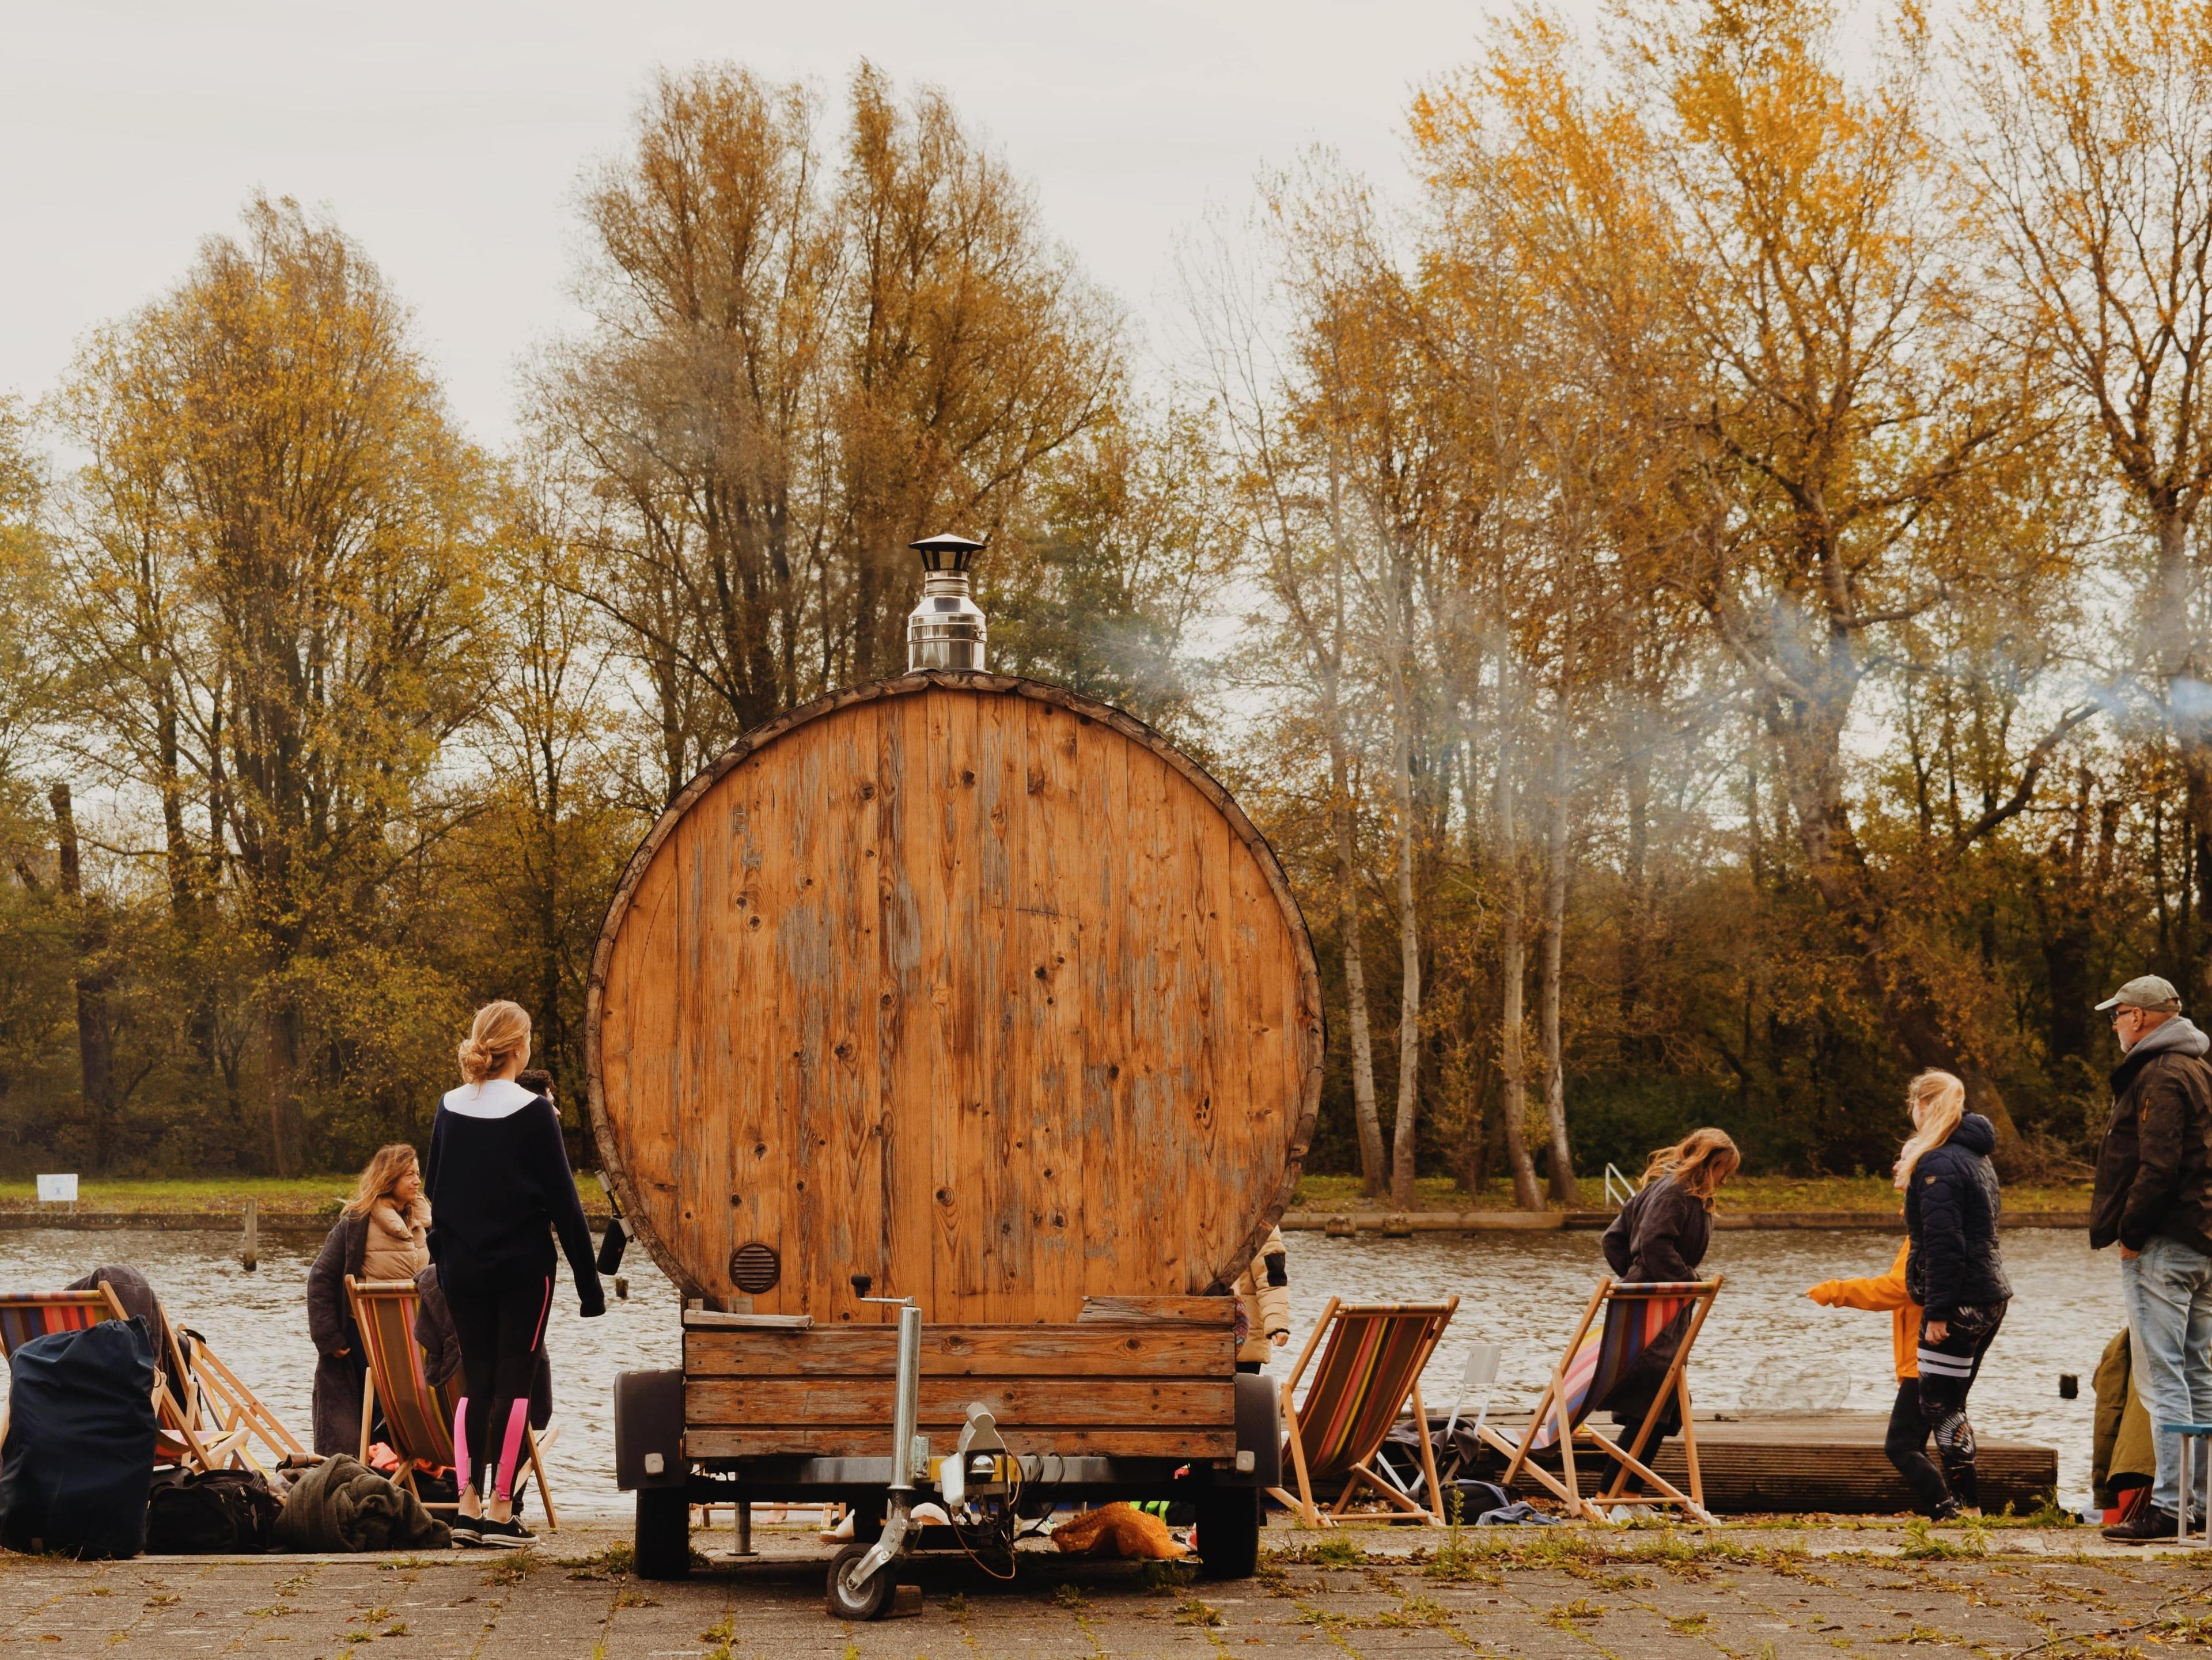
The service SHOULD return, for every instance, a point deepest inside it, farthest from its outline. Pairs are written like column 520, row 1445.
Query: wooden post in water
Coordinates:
column 252, row 1259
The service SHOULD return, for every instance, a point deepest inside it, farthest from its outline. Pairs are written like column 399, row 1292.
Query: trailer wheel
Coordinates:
column 865, row 1601
column 663, row 1533
column 1228, row 1533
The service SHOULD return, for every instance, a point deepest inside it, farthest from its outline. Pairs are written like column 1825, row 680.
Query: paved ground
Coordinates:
column 1569, row 1593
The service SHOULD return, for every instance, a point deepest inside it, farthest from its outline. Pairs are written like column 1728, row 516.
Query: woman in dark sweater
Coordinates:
column 498, row 1185
column 1660, row 1239
column 1955, row 1271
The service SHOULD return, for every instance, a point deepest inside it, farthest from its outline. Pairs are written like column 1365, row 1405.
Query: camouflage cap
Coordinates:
column 2146, row 992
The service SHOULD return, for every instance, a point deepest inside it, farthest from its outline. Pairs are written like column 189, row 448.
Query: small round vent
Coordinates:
column 755, row 1268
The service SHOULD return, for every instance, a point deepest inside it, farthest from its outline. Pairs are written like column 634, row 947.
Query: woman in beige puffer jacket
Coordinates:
column 1264, row 1290
column 397, row 1244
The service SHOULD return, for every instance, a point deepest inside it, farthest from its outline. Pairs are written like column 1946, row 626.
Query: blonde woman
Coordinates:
column 358, row 1246
column 1954, row 1270
column 1660, row 1237
column 499, row 1188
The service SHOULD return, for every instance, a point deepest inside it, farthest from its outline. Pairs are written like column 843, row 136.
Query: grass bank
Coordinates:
column 298, row 1199
column 1864, row 1194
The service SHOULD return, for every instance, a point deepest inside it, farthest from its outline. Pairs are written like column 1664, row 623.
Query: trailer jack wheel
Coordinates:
column 864, row 1601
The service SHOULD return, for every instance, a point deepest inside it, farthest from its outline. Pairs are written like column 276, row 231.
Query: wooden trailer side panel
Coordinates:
column 959, row 989
column 1129, row 1388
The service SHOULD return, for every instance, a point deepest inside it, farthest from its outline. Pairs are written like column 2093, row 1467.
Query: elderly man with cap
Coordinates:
column 2153, row 1197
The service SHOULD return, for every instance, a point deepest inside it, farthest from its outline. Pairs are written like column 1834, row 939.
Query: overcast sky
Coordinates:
column 446, row 138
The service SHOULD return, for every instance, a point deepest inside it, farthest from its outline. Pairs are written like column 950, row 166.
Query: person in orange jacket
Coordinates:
column 1907, row 1440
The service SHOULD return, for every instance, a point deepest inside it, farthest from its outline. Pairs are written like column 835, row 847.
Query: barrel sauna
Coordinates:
column 969, row 990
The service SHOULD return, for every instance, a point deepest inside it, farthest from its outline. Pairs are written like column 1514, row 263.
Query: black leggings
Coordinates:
column 1947, row 1370
column 503, row 1332
column 1907, row 1437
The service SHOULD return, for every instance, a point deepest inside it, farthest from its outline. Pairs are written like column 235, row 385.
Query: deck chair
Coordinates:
column 1618, row 1324
column 26, row 1314
column 419, row 1414
column 220, row 1407
column 1372, row 1362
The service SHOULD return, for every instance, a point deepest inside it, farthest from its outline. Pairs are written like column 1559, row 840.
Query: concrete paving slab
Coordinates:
column 1553, row 1593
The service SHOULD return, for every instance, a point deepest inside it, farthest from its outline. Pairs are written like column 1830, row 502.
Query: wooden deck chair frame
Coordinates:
column 533, row 1443
column 177, row 1439
column 1363, row 1470
column 212, row 1404
column 223, row 1407
column 1629, row 1460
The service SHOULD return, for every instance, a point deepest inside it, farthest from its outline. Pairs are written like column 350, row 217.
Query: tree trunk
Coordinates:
column 1409, row 954
column 1513, row 972
column 283, row 1049
column 1371, row 1163
column 95, row 1033
column 1555, row 925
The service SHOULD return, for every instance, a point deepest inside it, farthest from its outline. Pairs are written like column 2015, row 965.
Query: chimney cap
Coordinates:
column 945, row 551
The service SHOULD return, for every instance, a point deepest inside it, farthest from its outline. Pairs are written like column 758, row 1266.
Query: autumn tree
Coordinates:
column 798, row 367
column 2092, row 157
column 273, row 592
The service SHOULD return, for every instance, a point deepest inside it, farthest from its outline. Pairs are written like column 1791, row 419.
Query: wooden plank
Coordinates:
column 1202, row 1311
column 1111, row 1441
column 911, row 1055
column 719, row 1319
column 1101, row 1348
column 945, row 1400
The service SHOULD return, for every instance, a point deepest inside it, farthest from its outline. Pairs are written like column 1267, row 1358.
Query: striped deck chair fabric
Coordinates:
column 1366, row 1370
column 419, row 1414
column 1635, row 1316
column 1371, row 1359
column 35, row 1314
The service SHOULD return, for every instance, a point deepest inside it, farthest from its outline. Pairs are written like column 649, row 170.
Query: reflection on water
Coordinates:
column 1765, row 1344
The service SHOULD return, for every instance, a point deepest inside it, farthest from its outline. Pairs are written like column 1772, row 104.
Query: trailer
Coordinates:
column 952, row 1042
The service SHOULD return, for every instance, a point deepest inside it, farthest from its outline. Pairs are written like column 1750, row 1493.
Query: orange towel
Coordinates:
column 1117, row 1529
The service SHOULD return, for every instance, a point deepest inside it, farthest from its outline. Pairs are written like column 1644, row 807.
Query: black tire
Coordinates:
column 868, row 1602
column 663, row 1533
column 1228, row 1533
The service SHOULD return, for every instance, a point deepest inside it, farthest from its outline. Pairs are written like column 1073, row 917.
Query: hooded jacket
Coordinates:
column 1951, row 1215
column 2154, row 1169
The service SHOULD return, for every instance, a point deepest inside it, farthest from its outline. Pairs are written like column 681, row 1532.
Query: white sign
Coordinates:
column 57, row 1190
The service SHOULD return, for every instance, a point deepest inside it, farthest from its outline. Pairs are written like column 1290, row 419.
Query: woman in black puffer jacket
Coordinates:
column 1955, row 1272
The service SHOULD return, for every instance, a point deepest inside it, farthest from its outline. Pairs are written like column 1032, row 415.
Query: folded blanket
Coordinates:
column 341, row 1504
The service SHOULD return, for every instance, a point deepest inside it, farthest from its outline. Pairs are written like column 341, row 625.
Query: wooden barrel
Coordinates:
column 954, row 987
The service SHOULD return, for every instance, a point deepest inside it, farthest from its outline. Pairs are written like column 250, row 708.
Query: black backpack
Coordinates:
column 80, row 1447
column 220, row 1510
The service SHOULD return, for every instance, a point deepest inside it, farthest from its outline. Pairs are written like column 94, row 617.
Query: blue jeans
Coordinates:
column 2168, row 1294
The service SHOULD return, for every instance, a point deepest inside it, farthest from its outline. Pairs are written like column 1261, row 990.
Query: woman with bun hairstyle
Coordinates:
column 498, row 1185
column 1953, row 1271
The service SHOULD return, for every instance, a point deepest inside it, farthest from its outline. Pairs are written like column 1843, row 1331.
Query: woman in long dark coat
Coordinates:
column 339, row 1365
column 1660, row 1238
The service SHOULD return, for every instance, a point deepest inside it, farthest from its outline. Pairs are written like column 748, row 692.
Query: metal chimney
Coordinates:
column 946, row 629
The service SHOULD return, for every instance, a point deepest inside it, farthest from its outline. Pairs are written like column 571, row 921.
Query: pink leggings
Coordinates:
column 502, row 1331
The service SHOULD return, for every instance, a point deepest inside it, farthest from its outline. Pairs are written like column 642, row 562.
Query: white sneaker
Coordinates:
column 841, row 1532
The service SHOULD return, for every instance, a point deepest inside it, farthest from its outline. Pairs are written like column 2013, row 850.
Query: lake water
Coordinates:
column 1766, row 1345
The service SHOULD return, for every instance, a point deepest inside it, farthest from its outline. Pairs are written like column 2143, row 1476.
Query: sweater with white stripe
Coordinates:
column 498, row 1185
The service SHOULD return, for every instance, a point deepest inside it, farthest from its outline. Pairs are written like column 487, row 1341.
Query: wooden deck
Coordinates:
column 1830, row 1462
